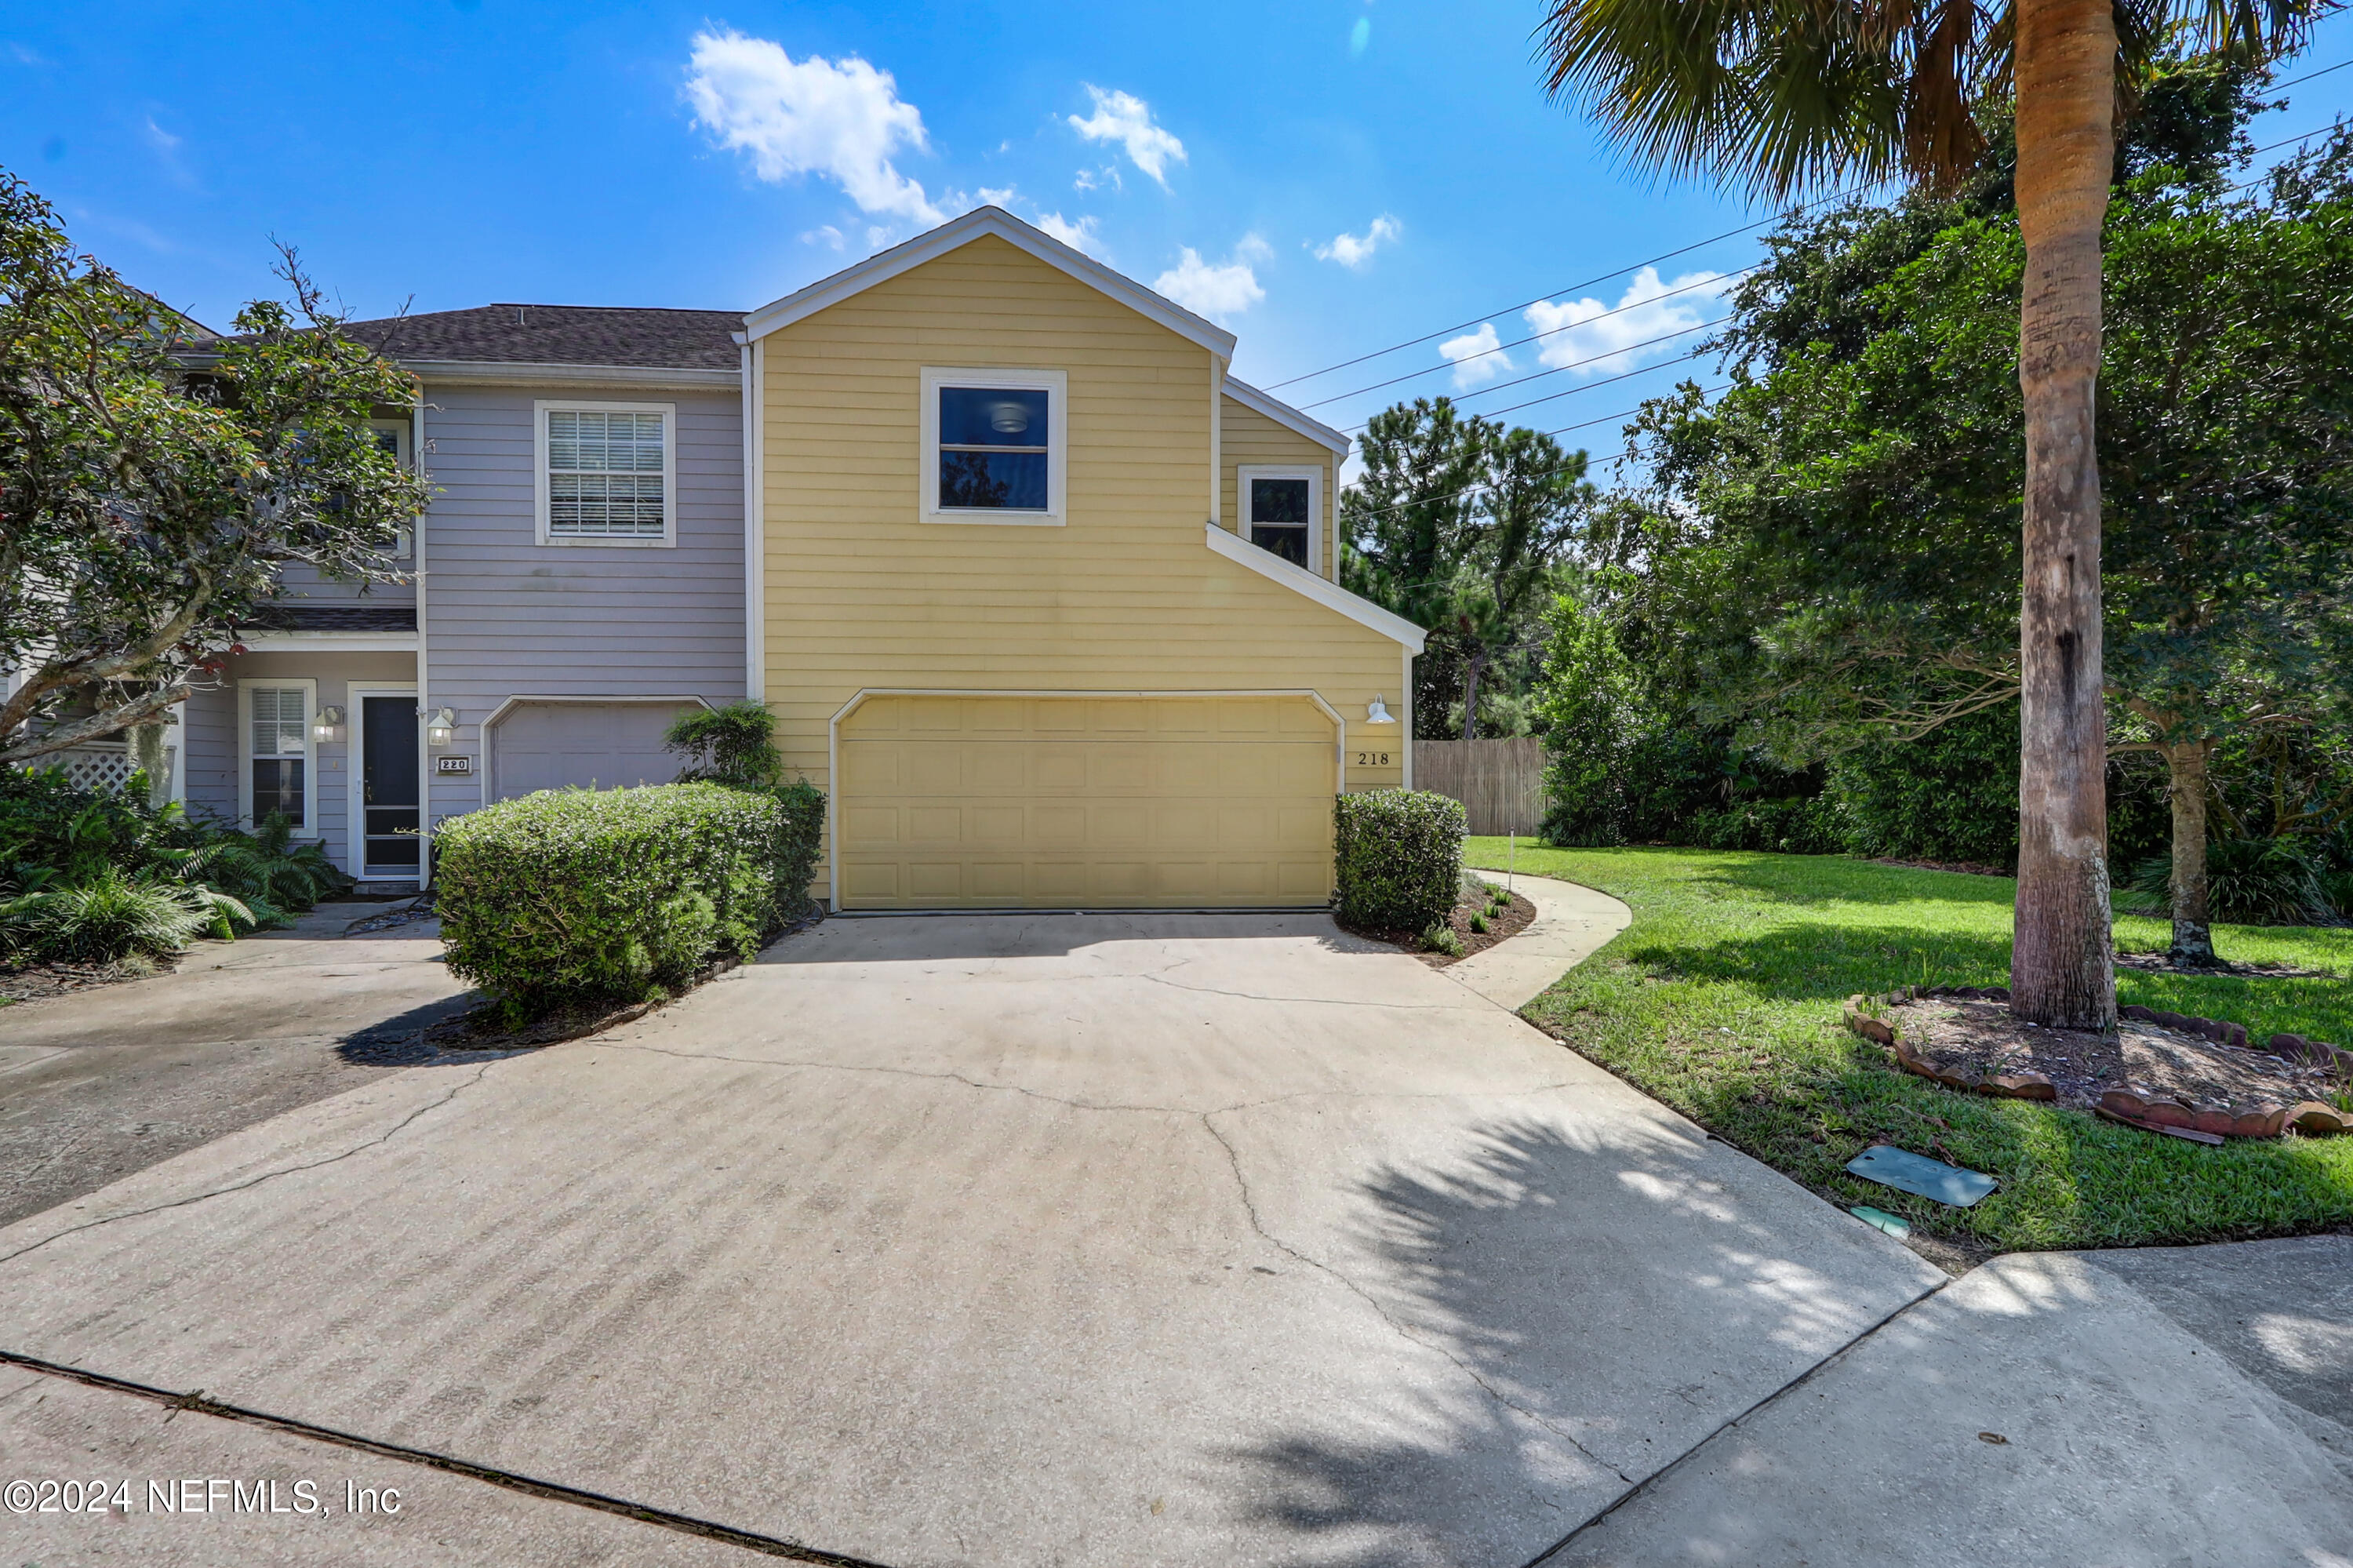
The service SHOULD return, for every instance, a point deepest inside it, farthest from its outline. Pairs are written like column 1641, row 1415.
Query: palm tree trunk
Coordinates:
column 2193, row 940
column 2063, row 968
column 1471, row 696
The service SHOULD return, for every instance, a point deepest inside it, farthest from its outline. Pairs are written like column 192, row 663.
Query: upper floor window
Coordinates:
column 606, row 473
column 1283, row 511
column 392, row 440
column 993, row 446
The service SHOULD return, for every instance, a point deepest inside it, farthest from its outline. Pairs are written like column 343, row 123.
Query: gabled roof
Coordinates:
column 1283, row 414
column 560, row 335
column 956, row 233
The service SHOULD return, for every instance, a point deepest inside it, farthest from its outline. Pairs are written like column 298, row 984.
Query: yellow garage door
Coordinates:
column 996, row 802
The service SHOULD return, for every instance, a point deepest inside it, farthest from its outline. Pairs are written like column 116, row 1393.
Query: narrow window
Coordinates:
column 279, row 751
column 391, row 440
column 996, row 449
column 1281, row 512
column 607, row 474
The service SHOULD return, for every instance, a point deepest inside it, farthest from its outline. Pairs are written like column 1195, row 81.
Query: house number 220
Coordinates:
column 1371, row 759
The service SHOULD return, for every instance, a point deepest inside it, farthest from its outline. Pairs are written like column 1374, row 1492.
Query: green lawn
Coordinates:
column 1723, row 996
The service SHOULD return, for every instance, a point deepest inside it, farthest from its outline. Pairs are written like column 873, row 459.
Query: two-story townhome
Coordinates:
column 1043, row 599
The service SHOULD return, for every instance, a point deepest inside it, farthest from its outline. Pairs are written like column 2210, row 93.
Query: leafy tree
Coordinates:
column 1778, row 96
column 1836, row 541
column 1459, row 526
column 147, row 508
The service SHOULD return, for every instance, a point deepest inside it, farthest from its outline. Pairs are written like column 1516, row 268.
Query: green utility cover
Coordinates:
column 1892, row 1167
column 1894, row 1224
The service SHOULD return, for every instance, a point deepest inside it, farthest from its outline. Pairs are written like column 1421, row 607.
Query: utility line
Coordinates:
column 1684, row 250
column 1720, row 278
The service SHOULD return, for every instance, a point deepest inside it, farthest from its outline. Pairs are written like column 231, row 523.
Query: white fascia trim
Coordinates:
column 459, row 371
column 1283, row 414
column 961, row 231
column 756, row 523
column 1300, row 580
column 328, row 642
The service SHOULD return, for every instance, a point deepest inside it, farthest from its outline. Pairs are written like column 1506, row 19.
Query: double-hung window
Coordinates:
column 1282, row 512
column 606, row 473
column 276, row 719
column 995, row 446
column 391, row 437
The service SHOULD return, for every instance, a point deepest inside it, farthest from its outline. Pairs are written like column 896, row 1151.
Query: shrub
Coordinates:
column 1788, row 827
column 1399, row 859
column 734, row 744
column 607, row 894
column 2249, row 882
column 1950, row 795
column 800, row 839
column 94, row 875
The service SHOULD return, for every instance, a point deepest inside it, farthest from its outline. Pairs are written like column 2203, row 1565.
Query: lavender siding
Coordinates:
column 507, row 615
column 213, row 752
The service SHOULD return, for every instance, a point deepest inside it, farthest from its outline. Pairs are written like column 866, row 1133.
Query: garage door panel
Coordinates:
column 1086, row 802
column 541, row 745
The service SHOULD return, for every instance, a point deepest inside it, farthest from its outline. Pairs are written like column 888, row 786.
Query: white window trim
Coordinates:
column 1056, row 385
column 355, row 786
column 539, row 412
column 309, row 829
column 1313, row 473
column 404, row 545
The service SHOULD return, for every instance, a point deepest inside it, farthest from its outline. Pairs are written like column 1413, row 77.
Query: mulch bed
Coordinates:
column 1513, row 921
column 1981, row 1036
column 37, row 982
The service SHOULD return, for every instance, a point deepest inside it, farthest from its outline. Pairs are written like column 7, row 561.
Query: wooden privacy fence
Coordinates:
column 1499, row 782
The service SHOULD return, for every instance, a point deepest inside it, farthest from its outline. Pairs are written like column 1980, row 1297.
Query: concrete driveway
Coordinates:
column 1176, row 1239
column 99, row 1084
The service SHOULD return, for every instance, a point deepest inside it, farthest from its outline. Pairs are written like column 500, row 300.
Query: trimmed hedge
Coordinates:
column 1397, row 855
column 613, row 892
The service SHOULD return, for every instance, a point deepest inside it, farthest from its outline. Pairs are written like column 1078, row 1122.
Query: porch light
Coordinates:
column 441, row 729
column 329, row 725
column 1377, row 712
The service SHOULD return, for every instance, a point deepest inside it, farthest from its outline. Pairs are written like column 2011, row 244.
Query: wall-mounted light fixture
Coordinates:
column 1377, row 712
column 329, row 725
column 441, row 729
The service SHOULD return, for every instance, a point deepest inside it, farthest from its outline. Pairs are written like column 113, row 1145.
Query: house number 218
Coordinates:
column 1371, row 759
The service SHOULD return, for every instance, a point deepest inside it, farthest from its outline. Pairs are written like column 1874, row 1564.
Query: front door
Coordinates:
column 388, row 798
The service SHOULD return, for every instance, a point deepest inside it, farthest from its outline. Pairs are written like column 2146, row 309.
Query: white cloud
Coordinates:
column 842, row 120
column 1126, row 118
column 1583, row 330
column 1078, row 236
column 1094, row 179
column 997, row 196
column 1475, row 356
column 1252, row 247
column 1353, row 251
column 163, row 140
column 1213, row 291
column 825, row 234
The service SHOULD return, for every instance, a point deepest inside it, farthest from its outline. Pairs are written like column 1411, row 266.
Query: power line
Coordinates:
column 1719, row 278
column 1671, row 255
column 1573, row 288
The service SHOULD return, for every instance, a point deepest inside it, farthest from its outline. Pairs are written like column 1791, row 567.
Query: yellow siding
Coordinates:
column 859, row 594
column 1250, row 437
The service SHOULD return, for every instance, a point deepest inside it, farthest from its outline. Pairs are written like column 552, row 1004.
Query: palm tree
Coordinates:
column 1777, row 95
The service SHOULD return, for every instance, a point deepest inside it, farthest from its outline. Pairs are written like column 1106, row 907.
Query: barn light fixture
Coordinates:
column 1377, row 712
column 441, row 729
column 329, row 725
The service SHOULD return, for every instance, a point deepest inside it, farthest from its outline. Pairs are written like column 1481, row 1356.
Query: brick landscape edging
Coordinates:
column 2268, row 1119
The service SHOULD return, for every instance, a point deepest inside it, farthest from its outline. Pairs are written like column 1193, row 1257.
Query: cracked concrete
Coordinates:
column 974, row 1240
column 98, row 1085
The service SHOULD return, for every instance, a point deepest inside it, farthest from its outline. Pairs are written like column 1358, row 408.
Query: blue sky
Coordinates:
column 1324, row 176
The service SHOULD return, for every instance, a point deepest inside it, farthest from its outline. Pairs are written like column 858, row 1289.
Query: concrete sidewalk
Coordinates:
column 2160, row 1406
column 1572, row 922
column 1209, row 1240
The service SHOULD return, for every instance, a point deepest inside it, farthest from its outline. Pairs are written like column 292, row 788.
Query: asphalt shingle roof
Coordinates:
column 562, row 335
